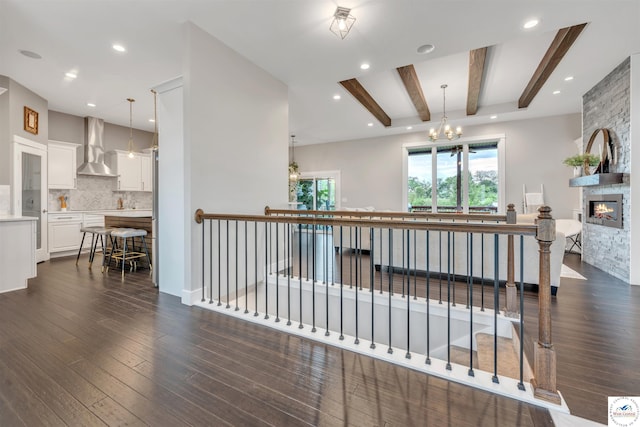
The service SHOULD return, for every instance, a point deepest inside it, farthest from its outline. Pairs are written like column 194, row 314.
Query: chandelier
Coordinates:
column 342, row 22
column 445, row 131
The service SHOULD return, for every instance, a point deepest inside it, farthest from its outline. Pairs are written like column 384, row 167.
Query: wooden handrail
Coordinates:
column 458, row 227
column 380, row 214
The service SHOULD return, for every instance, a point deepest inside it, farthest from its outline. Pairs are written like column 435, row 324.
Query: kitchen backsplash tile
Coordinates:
column 99, row 193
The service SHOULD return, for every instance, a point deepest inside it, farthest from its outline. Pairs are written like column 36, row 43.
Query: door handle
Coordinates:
column 44, row 211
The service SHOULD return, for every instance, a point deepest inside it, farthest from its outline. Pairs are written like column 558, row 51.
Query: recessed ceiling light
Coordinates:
column 568, row 78
column 530, row 24
column 336, row 97
column 556, row 92
column 152, row 121
column 493, row 117
column 71, row 75
column 364, row 66
column 409, row 127
column 426, row 48
column 119, row 48
column 370, row 124
column 91, row 104
column 30, row 54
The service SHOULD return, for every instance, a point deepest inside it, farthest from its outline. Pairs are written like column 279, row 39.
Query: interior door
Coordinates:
column 29, row 187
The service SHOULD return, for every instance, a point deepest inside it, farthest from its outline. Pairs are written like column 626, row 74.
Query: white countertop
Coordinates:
column 14, row 218
column 130, row 212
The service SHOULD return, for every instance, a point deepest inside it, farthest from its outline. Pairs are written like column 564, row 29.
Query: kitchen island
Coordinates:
column 17, row 251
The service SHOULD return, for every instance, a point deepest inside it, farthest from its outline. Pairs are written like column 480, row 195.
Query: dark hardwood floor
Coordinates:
column 83, row 348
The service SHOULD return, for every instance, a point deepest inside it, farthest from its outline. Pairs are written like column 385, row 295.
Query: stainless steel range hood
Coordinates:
column 94, row 149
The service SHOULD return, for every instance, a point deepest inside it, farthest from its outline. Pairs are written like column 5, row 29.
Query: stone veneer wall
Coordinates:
column 607, row 105
column 99, row 193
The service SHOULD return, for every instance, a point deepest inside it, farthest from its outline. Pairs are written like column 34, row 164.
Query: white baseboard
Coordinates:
column 191, row 297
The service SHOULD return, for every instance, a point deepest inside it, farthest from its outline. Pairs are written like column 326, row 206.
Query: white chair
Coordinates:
column 532, row 201
column 572, row 230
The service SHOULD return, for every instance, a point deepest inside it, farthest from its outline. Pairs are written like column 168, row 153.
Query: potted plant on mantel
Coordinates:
column 579, row 161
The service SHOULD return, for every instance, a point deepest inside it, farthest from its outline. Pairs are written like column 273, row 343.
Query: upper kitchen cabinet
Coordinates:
column 133, row 172
column 62, row 159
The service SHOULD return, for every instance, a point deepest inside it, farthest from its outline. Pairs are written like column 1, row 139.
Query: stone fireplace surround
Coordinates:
column 608, row 105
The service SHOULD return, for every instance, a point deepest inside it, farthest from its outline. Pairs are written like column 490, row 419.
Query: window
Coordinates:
column 466, row 177
column 318, row 190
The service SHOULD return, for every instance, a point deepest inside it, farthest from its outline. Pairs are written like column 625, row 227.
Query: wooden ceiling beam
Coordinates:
column 476, row 72
column 414, row 89
column 559, row 47
column 356, row 89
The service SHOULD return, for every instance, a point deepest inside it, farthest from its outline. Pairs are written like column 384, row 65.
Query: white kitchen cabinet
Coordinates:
column 128, row 169
column 64, row 232
column 62, row 163
column 145, row 167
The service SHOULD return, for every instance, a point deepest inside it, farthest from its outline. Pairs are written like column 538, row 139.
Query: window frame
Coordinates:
column 500, row 139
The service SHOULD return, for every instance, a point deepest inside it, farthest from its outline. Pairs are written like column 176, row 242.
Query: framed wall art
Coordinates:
column 30, row 120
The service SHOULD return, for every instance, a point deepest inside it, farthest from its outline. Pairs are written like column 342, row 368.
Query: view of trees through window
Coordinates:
column 481, row 171
column 316, row 193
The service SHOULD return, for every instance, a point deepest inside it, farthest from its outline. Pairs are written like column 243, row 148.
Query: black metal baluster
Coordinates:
column 470, row 304
column 358, row 255
column 408, row 355
column 381, row 239
column 313, row 279
column 440, row 266
column 210, row 261
column 352, row 245
column 404, row 269
column 246, row 268
column 521, row 384
column 415, row 266
column 266, row 269
column 228, row 278
column 341, row 287
column 496, row 307
column 453, row 266
column 448, row 300
column 390, row 349
column 469, row 267
column 427, row 256
column 300, row 326
column 219, row 266
column 277, row 274
column 326, row 281
column 482, row 273
column 202, row 300
column 288, row 269
column 237, row 308
column 255, row 266
column 372, row 286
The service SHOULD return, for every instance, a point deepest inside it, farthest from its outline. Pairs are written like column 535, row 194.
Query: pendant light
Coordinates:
column 154, row 141
column 293, row 166
column 131, row 101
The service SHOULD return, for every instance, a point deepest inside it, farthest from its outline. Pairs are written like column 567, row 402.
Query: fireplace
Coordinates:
column 605, row 209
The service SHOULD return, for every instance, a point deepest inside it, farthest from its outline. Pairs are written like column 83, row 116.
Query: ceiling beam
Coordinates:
column 412, row 85
column 476, row 71
column 360, row 93
column 557, row 50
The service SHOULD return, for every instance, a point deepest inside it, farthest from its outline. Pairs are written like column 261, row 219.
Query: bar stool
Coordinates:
column 124, row 255
column 96, row 232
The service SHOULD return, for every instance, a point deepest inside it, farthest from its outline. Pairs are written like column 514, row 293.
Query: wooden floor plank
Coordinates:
column 132, row 356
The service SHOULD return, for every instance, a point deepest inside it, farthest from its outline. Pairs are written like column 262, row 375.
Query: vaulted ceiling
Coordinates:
column 492, row 65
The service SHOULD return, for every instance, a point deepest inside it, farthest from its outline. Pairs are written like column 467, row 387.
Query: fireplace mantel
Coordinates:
column 596, row 179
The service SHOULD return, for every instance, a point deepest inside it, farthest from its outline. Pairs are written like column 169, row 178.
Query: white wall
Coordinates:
column 371, row 169
column 236, row 136
column 172, row 220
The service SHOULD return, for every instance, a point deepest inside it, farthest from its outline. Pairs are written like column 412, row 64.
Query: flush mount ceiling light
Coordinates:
column 365, row 66
column 336, row 97
column 91, row 104
column 131, row 101
column 530, row 24
column 425, row 48
column 342, row 22
column 119, row 48
column 71, row 75
column 445, row 131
